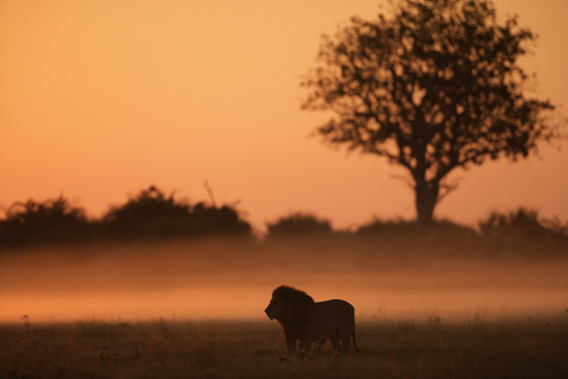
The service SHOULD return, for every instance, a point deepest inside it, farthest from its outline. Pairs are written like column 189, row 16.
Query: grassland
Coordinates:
column 422, row 311
column 411, row 348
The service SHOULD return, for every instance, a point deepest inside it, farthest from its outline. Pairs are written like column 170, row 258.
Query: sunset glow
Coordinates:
column 100, row 99
column 300, row 188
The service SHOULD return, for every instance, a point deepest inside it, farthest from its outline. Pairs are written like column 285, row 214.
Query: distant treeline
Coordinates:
column 152, row 215
column 520, row 233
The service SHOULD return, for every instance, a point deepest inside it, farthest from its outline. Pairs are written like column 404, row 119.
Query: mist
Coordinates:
column 233, row 279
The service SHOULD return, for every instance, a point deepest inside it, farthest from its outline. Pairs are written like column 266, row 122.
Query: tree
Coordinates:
column 432, row 87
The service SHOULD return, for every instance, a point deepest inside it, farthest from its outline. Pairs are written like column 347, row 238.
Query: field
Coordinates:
column 421, row 347
column 195, row 309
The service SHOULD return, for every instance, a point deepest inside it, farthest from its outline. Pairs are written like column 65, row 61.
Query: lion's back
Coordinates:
column 333, row 315
column 335, row 306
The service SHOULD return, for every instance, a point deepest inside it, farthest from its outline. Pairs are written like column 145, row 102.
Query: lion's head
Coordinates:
column 291, row 307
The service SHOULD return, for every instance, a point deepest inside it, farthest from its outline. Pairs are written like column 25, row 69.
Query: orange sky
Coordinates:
column 99, row 99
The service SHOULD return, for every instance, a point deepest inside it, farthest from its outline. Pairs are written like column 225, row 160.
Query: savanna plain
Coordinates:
column 412, row 348
column 195, row 309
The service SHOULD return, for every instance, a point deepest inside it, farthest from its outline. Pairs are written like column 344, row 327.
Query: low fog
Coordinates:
column 234, row 279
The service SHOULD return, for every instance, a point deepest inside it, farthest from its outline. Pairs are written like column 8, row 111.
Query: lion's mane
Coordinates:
column 300, row 310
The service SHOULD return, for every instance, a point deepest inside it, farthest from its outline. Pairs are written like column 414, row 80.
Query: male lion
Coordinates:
column 305, row 320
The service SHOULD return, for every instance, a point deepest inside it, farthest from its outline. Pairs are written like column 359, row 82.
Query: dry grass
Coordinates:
column 411, row 348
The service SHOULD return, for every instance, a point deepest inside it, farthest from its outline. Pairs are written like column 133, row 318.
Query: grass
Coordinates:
column 412, row 348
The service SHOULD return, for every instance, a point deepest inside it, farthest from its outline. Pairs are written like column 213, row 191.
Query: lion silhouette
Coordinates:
column 307, row 321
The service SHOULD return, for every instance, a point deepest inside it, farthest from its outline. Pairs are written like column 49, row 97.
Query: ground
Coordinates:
column 415, row 347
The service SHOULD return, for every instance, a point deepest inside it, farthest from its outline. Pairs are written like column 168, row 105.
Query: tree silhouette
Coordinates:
column 516, row 225
column 431, row 87
column 299, row 224
column 51, row 221
column 148, row 214
column 153, row 215
column 523, row 231
column 208, row 220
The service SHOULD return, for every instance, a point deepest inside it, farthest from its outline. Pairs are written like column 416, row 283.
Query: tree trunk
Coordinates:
column 426, row 199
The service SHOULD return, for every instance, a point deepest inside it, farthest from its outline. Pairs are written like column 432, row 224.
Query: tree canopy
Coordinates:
column 431, row 86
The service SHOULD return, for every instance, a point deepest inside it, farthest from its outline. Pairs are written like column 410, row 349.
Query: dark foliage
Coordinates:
column 390, row 227
column 523, row 231
column 147, row 215
column 516, row 233
column 516, row 225
column 51, row 221
column 153, row 215
column 410, row 227
column 208, row 220
column 150, row 215
column 299, row 224
column 438, row 238
column 432, row 86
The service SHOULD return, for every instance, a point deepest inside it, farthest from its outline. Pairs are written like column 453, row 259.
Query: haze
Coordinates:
column 234, row 279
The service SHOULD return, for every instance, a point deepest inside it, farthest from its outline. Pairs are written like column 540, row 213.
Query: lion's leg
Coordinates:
column 291, row 345
column 345, row 336
column 307, row 344
column 335, row 342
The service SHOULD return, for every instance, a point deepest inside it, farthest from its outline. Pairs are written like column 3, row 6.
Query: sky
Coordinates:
column 100, row 99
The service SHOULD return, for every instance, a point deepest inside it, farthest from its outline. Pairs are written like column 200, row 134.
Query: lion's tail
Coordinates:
column 353, row 336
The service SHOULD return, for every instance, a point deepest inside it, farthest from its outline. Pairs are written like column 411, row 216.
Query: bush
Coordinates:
column 380, row 227
column 299, row 224
column 440, row 238
column 515, row 225
column 51, row 221
column 150, row 215
column 523, row 231
column 153, row 215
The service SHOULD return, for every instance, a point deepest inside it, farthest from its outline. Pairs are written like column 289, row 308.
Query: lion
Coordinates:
column 307, row 321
